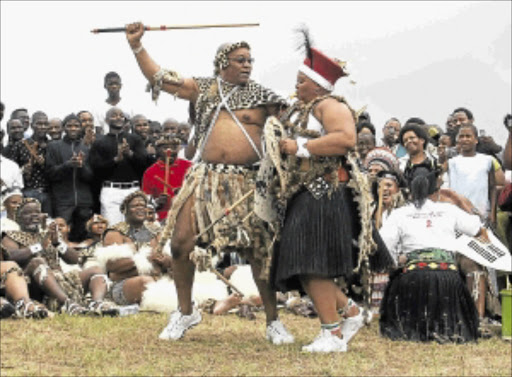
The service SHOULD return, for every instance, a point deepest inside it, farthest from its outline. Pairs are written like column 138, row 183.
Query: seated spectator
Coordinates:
column 13, row 283
column 11, row 200
column 39, row 253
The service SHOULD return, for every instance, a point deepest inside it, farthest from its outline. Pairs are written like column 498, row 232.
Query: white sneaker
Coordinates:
column 351, row 325
column 179, row 324
column 277, row 333
column 326, row 342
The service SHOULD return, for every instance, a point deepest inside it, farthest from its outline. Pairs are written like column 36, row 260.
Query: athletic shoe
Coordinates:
column 326, row 342
column 277, row 333
column 179, row 324
column 351, row 325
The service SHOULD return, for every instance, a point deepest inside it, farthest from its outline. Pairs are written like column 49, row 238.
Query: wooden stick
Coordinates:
column 226, row 281
column 227, row 211
column 378, row 215
column 171, row 27
column 167, row 167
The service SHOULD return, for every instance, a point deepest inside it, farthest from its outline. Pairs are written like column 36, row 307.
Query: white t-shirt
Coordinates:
column 409, row 228
column 10, row 173
column 468, row 176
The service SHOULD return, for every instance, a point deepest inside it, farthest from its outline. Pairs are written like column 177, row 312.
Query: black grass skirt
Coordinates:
column 425, row 305
column 316, row 239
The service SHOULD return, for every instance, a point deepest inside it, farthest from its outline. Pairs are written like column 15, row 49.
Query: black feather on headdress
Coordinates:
column 305, row 43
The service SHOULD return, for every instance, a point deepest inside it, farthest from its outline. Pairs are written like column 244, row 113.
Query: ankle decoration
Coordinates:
column 333, row 328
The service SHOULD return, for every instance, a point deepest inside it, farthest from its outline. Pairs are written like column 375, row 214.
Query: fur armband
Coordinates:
column 163, row 76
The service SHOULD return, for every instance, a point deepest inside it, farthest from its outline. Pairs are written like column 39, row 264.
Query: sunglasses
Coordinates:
column 242, row 60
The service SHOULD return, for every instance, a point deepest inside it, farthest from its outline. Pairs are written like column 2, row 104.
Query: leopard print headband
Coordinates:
column 221, row 59
column 24, row 202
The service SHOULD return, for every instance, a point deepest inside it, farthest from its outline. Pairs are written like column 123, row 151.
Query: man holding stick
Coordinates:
column 230, row 111
column 162, row 179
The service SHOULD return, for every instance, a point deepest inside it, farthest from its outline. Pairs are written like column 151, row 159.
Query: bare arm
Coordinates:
column 15, row 253
column 185, row 88
column 121, row 265
column 339, row 125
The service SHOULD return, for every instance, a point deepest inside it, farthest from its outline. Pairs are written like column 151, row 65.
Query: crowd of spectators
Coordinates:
column 82, row 168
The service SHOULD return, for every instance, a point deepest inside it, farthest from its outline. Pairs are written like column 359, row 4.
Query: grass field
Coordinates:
column 225, row 346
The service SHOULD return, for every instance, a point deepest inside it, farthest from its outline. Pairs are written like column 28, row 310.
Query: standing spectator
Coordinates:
column 415, row 139
column 155, row 130
column 15, row 133
column 170, row 126
column 70, row 176
column 88, row 133
column 365, row 143
column 119, row 160
column 140, row 127
column 184, row 134
column 391, row 130
column 475, row 175
column 55, row 129
column 112, row 83
column 22, row 115
column 10, row 173
column 154, row 176
column 29, row 154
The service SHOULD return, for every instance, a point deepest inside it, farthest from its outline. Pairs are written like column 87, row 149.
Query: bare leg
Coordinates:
column 182, row 244
column 15, row 285
column 223, row 306
column 342, row 302
column 267, row 294
column 134, row 288
column 96, row 286
column 323, row 292
column 45, row 279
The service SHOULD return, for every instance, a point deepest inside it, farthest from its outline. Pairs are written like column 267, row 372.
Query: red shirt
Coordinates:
column 152, row 186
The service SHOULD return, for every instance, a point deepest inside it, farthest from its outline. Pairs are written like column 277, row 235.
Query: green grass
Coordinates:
column 226, row 345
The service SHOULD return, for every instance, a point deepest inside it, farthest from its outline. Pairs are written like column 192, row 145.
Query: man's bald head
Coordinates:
column 170, row 126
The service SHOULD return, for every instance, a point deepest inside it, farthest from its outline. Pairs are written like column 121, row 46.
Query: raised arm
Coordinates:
column 184, row 88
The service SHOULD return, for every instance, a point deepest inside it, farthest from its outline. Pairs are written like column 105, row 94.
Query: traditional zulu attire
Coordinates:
column 321, row 218
column 426, row 299
column 216, row 186
column 69, row 281
column 141, row 238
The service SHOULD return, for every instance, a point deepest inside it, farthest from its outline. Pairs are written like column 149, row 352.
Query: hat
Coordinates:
column 383, row 157
column 322, row 69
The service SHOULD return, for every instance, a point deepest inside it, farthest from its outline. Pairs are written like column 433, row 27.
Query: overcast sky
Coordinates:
column 407, row 58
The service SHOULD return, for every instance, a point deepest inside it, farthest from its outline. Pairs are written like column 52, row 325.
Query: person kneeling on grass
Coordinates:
column 426, row 298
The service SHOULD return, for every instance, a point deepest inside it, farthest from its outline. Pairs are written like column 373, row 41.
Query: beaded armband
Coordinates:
column 163, row 76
